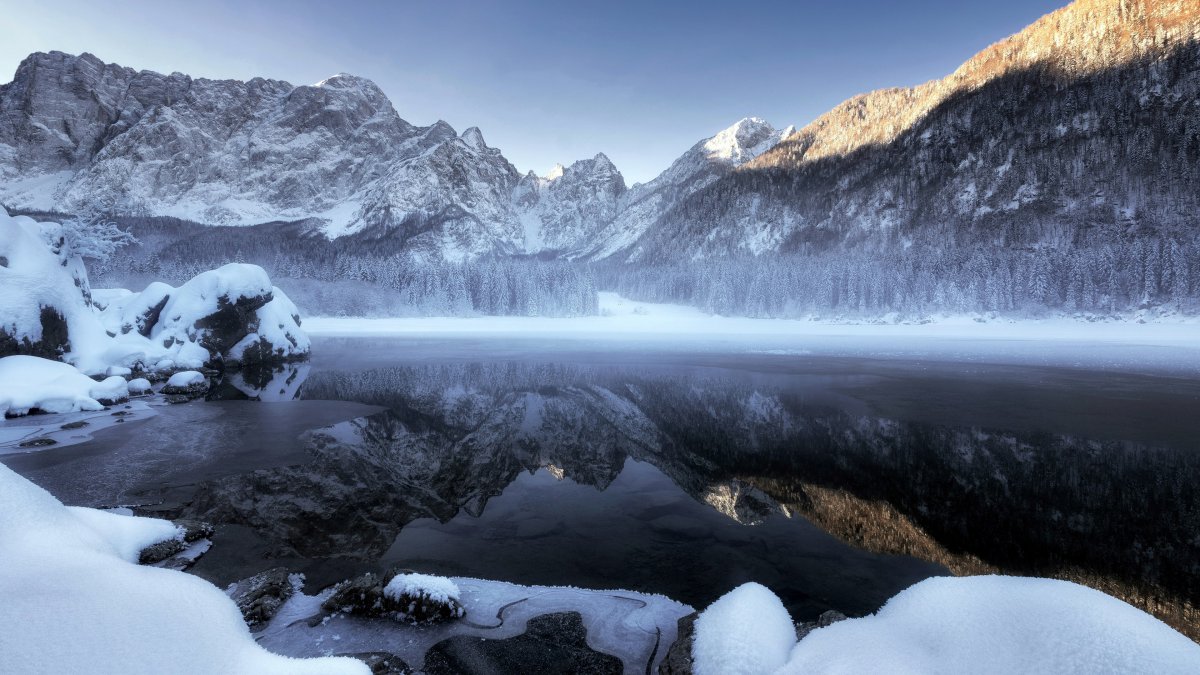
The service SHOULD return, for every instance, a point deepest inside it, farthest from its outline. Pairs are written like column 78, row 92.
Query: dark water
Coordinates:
column 836, row 482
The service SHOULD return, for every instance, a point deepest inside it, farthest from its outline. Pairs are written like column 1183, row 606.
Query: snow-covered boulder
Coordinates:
column 186, row 383
column 230, row 316
column 72, row 599
column 32, row 384
column 276, row 334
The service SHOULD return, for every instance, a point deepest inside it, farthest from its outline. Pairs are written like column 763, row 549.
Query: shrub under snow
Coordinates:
column 71, row 600
column 949, row 625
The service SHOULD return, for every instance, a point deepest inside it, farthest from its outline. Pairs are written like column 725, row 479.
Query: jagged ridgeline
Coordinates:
column 1053, row 172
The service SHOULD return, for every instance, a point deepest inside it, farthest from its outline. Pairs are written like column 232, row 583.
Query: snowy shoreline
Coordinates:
column 620, row 317
column 1158, row 348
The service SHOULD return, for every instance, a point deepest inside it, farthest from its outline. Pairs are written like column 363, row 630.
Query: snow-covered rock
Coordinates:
column 275, row 336
column 233, row 313
column 228, row 316
column 31, row 383
column 72, row 599
column 187, row 383
column 423, row 598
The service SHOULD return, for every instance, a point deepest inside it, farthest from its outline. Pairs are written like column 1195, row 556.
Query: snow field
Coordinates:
column 72, row 600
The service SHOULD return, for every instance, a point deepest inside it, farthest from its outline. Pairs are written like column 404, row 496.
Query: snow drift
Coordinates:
column 30, row 383
column 73, row 600
column 984, row 624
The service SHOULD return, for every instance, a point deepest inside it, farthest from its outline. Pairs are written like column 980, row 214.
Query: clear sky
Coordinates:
column 545, row 81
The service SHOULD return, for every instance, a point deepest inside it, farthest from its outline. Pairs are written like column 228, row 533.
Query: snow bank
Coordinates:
column 71, row 601
column 745, row 632
column 29, row 382
column 438, row 589
column 949, row 625
column 998, row 624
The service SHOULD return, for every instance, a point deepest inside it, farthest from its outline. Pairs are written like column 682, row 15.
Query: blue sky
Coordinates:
column 546, row 81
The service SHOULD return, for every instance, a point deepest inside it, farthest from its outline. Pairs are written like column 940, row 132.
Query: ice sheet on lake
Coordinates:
column 635, row 627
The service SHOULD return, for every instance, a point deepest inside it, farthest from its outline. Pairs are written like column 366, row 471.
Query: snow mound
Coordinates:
column 997, row 624
column 747, row 631
column 945, row 626
column 29, row 382
column 438, row 589
column 71, row 600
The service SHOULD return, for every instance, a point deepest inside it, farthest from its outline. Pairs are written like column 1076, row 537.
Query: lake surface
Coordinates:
column 835, row 481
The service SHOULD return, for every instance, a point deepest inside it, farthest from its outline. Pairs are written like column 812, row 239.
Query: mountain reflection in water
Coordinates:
column 587, row 465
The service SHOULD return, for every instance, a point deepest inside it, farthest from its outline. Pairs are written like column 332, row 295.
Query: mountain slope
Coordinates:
column 1088, row 118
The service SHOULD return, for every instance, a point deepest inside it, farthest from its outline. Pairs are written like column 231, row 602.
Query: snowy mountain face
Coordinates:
column 84, row 137
column 1084, row 123
column 557, row 208
column 700, row 166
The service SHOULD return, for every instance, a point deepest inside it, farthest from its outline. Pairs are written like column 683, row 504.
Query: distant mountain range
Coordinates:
column 78, row 135
column 1082, row 130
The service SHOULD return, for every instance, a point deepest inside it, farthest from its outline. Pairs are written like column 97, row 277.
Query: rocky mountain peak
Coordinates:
column 473, row 137
column 745, row 139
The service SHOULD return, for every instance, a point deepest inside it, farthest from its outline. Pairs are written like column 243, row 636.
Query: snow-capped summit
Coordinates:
column 555, row 173
column 343, row 81
column 746, row 139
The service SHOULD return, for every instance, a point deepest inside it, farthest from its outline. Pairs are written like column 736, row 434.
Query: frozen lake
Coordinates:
column 835, row 478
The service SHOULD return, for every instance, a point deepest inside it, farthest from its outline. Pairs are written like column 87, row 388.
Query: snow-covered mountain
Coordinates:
column 704, row 163
column 78, row 135
column 1081, row 128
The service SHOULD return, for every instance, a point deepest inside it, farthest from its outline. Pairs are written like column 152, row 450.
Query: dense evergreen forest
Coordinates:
column 358, row 276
